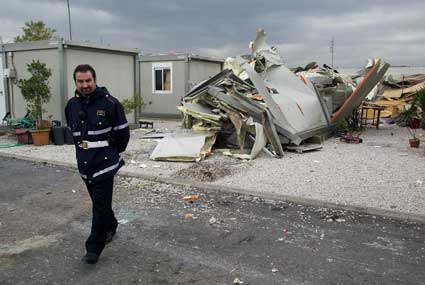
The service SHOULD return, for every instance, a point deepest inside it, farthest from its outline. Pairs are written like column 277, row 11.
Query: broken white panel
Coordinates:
column 233, row 64
column 260, row 140
column 296, row 108
column 199, row 111
column 372, row 94
column 297, row 101
column 181, row 147
column 316, row 78
column 275, row 110
column 259, row 46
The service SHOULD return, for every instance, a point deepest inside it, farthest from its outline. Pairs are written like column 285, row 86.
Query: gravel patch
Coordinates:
column 382, row 172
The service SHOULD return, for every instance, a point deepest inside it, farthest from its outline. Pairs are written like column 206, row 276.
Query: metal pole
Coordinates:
column 69, row 21
column 332, row 53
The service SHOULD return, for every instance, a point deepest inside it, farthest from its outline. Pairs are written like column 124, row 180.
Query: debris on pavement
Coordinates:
column 237, row 281
column 212, row 220
column 209, row 171
column 350, row 138
column 303, row 148
column 189, row 216
column 191, row 198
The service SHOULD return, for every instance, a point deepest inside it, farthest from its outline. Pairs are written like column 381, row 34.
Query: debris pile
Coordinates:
column 258, row 104
column 398, row 94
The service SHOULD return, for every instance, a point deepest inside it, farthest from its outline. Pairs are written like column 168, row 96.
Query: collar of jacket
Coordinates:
column 99, row 92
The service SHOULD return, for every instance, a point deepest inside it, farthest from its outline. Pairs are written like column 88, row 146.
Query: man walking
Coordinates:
column 100, row 131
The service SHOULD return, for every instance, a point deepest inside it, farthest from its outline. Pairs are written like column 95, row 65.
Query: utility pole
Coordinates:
column 332, row 52
column 69, row 21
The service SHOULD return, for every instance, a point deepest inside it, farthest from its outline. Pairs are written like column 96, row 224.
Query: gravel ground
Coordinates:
column 382, row 172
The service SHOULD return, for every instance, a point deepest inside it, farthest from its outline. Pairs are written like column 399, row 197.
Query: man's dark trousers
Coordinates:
column 103, row 220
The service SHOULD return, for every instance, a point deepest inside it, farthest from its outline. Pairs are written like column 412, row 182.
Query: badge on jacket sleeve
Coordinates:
column 100, row 112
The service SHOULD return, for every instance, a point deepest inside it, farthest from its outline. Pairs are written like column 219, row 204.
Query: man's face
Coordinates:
column 85, row 82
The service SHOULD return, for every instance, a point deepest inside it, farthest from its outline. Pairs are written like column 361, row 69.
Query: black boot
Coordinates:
column 90, row 258
column 110, row 236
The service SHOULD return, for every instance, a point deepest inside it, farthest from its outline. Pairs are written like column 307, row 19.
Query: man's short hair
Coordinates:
column 84, row 68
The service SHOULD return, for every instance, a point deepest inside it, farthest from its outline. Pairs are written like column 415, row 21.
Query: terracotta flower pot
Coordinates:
column 414, row 143
column 40, row 137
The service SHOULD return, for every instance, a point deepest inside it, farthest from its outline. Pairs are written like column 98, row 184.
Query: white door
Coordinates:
column 2, row 95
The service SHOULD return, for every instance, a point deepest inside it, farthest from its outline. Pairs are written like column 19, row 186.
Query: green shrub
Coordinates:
column 419, row 99
column 130, row 104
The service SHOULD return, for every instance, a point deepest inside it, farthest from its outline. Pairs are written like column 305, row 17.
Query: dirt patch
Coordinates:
column 209, row 171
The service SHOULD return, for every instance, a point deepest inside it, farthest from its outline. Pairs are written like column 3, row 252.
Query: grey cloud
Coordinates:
column 302, row 30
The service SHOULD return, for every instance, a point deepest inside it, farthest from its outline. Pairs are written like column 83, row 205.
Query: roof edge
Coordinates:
column 53, row 44
column 177, row 57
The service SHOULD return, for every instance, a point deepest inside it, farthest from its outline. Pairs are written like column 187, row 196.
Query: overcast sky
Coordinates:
column 301, row 30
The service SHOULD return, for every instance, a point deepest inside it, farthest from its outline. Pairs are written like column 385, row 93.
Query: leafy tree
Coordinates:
column 35, row 31
column 36, row 90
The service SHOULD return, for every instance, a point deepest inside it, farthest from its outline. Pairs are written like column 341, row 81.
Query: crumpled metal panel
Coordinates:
column 294, row 105
column 183, row 147
column 260, row 47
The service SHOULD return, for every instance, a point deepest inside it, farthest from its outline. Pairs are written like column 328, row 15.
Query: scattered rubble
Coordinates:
column 212, row 220
column 257, row 104
column 396, row 95
column 189, row 216
column 191, row 198
column 207, row 172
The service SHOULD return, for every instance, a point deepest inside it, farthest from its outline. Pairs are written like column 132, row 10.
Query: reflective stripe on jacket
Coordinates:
column 98, row 117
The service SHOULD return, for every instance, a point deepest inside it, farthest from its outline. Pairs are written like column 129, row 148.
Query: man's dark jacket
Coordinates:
column 98, row 117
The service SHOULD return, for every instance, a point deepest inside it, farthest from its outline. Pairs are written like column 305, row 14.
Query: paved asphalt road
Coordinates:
column 218, row 239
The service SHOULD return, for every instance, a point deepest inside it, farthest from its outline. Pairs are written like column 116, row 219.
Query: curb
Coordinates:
column 397, row 215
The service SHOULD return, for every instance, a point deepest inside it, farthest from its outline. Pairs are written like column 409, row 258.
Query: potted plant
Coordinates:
column 419, row 98
column 36, row 92
column 409, row 118
column 414, row 124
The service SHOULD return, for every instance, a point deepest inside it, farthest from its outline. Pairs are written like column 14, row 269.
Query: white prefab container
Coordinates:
column 166, row 78
column 116, row 69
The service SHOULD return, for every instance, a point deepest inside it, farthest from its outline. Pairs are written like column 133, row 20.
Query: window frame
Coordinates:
column 162, row 66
